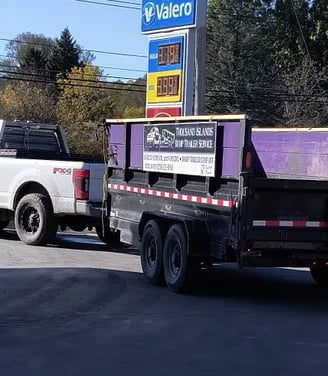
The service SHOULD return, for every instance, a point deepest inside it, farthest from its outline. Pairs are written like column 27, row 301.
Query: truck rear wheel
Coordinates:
column 320, row 275
column 152, row 253
column 177, row 262
column 34, row 220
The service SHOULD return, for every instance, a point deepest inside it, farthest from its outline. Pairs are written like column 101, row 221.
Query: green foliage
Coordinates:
column 83, row 102
column 34, row 61
column 289, row 33
column 132, row 99
column 133, row 112
column 318, row 43
column 268, row 59
column 20, row 47
column 26, row 101
column 238, row 58
column 65, row 55
column 53, row 81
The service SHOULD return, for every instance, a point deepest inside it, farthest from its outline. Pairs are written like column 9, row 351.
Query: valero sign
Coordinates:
column 159, row 15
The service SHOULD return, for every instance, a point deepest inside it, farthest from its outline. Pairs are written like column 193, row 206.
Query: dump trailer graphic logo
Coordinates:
column 181, row 148
column 154, row 137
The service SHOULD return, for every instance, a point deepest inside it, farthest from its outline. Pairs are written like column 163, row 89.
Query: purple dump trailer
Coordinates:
column 191, row 191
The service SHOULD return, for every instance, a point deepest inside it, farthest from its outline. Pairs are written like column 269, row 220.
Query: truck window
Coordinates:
column 15, row 137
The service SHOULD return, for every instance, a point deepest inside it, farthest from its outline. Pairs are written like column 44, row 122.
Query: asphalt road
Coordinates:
column 79, row 308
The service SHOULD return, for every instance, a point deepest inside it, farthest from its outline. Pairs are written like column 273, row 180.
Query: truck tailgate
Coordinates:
column 97, row 171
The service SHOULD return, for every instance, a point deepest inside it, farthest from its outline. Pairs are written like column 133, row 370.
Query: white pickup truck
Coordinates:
column 43, row 186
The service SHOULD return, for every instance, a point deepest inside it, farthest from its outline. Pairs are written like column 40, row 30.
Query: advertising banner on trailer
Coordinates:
column 187, row 148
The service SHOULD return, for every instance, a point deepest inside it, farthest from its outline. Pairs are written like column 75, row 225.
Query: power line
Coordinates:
column 123, row 2
column 122, row 69
column 300, row 29
column 228, row 93
column 22, row 71
column 72, row 85
column 82, row 49
column 96, row 66
column 37, row 75
column 108, row 5
column 229, row 96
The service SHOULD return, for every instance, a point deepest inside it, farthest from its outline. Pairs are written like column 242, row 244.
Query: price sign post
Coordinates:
column 172, row 27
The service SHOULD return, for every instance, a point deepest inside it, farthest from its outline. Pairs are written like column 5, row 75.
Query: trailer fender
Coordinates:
column 195, row 229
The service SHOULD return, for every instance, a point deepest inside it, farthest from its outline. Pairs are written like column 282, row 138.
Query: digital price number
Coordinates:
column 168, row 85
column 169, row 54
column 165, row 77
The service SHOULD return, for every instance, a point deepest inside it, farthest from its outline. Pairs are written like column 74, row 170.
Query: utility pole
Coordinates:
column 200, row 60
column 200, row 67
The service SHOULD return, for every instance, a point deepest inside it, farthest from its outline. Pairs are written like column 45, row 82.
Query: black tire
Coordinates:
column 152, row 253
column 178, row 268
column 108, row 235
column 3, row 224
column 34, row 220
column 320, row 275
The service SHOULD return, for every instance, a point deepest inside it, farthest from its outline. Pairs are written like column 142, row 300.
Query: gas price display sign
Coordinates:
column 165, row 70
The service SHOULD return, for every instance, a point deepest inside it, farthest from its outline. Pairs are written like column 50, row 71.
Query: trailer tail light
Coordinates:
column 248, row 160
column 81, row 184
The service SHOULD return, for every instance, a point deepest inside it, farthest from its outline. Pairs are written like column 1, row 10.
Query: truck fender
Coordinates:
column 30, row 177
column 195, row 229
column 26, row 188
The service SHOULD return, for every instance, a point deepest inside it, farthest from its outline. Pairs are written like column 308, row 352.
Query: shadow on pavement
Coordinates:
column 277, row 286
column 77, row 241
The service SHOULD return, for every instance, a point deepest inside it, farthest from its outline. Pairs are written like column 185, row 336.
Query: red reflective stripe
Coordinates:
column 171, row 195
column 286, row 223
column 299, row 224
column 272, row 224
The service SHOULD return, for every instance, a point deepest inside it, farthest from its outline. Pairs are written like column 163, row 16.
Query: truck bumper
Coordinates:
column 89, row 209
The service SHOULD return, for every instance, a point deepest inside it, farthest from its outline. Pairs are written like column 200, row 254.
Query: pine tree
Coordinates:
column 33, row 61
column 66, row 55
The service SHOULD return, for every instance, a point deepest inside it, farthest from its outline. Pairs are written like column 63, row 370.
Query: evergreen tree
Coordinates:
column 318, row 44
column 289, row 33
column 27, row 53
column 66, row 55
column 239, row 60
column 33, row 61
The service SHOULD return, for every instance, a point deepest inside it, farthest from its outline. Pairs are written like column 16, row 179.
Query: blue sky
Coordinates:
column 95, row 27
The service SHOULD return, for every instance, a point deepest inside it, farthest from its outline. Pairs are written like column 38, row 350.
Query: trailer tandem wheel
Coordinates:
column 178, row 265
column 152, row 252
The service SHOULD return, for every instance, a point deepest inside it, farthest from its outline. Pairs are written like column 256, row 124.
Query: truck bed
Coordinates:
column 46, row 155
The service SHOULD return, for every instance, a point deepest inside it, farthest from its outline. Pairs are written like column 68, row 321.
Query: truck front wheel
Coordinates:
column 320, row 275
column 34, row 220
column 152, row 253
